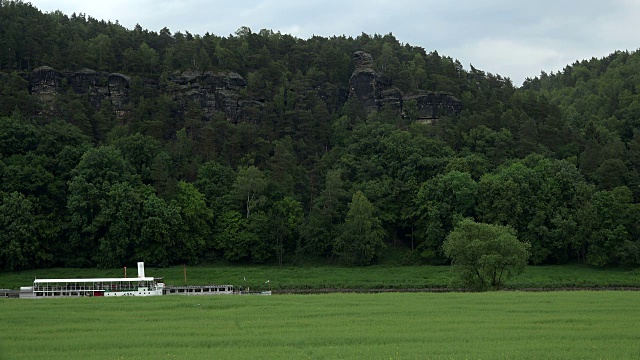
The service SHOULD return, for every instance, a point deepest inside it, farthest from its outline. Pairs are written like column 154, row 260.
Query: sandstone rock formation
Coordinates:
column 213, row 91
column 376, row 91
column 364, row 83
column 47, row 83
column 217, row 92
column 433, row 105
column 118, row 92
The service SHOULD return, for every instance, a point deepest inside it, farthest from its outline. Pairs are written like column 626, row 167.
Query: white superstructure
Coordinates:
column 139, row 286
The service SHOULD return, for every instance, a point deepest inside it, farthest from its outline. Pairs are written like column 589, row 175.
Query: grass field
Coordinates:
column 319, row 277
column 497, row 325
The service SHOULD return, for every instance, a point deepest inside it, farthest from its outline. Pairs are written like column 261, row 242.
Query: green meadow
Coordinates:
column 495, row 325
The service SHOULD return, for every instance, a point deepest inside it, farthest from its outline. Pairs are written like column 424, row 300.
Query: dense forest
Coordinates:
column 121, row 145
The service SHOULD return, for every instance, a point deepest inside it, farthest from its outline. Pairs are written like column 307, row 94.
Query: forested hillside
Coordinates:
column 121, row 145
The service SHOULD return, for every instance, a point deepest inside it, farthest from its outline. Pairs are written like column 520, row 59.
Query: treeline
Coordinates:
column 312, row 175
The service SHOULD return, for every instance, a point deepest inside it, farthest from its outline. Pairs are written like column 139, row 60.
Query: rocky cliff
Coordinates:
column 213, row 91
column 217, row 92
column 376, row 91
column 47, row 83
column 364, row 83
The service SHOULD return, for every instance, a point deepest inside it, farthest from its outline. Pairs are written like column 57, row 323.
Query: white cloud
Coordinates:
column 509, row 58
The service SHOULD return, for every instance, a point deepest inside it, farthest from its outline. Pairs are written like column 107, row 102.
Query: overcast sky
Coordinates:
column 513, row 38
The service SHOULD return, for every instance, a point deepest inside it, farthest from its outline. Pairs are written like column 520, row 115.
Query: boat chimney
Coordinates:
column 140, row 269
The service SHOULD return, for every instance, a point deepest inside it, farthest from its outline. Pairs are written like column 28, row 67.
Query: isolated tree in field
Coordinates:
column 362, row 236
column 484, row 256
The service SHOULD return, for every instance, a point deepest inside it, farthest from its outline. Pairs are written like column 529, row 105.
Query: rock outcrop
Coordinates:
column 376, row 91
column 47, row 83
column 217, row 92
column 214, row 92
column 118, row 92
column 433, row 105
column 365, row 83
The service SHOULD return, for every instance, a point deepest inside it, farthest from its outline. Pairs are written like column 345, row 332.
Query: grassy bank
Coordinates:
column 501, row 325
column 320, row 277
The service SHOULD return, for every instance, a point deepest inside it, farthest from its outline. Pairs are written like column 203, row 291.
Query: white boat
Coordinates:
column 138, row 286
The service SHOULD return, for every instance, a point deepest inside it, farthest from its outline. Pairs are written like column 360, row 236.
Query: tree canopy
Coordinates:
column 484, row 256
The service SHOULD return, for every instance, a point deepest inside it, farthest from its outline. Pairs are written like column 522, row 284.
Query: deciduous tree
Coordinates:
column 361, row 238
column 484, row 256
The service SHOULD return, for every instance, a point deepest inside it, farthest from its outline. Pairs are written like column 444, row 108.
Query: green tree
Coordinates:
column 388, row 63
column 139, row 151
column 320, row 228
column 99, row 53
column 215, row 182
column 103, row 121
column 144, row 59
column 495, row 145
column 73, row 109
column 286, row 216
column 441, row 202
column 606, row 223
column 261, row 249
column 361, row 238
column 98, row 170
column 248, row 188
column 231, row 236
column 283, row 169
column 194, row 232
column 540, row 198
column 119, row 219
column 77, row 53
column 181, row 150
column 14, row 95
column 16, row 137
column 158, row 231
column 64, row 144
column 484, row 256
column 21, row 245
